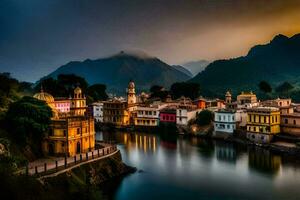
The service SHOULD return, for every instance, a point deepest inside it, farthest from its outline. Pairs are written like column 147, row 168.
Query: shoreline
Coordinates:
column 292, row 151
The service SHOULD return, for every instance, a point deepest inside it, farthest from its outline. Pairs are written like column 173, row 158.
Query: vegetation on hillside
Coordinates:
column 275, row 62
column 64, row 86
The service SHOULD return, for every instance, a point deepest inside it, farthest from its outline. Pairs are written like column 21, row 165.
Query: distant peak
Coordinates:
column 279, row 38
column 132, row 53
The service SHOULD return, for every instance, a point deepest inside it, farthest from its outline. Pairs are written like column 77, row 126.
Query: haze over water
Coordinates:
column 195, row 168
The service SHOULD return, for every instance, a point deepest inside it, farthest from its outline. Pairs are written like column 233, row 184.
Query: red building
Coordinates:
column 201, row 103
column 167, row 116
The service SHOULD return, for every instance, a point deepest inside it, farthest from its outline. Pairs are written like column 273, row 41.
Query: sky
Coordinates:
column 38, row 36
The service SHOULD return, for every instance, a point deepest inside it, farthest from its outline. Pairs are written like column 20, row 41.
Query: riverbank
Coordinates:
column 85, row 181
column 277, row 147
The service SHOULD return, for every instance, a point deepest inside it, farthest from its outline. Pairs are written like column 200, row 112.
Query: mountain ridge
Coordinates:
column 115, row 71
column 275, row 62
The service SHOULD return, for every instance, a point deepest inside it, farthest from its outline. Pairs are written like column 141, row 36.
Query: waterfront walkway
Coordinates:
column 60, row 165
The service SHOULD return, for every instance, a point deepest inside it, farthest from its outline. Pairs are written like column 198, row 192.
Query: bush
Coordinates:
column 205, row 117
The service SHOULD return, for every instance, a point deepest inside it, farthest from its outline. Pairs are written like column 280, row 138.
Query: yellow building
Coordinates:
column 70, row 133
column 246, row 98
column 115, row 112
column 262, row 124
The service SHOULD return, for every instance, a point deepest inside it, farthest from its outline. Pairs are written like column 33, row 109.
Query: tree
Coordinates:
column 156, row 88
column 8, row 89
column 97, row 92
column 284, row 88
column 265, row 87
column 191, row 90
column 159, row 92
column 63, row 86
column 27, row 121
column 204, row 117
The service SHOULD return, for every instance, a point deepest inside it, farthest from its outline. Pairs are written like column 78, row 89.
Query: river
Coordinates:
column 195, row 168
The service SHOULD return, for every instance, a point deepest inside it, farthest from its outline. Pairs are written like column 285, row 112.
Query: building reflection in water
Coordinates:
column 205, row 147
column 140, row 141
column 262, row 160
column 226, row 152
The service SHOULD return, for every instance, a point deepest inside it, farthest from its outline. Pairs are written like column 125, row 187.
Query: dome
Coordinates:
column 44, row 96
column 131, row 85
column 77, row 90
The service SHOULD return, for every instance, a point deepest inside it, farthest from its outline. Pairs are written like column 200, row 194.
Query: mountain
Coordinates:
column 183, row 69
column 117, row 70
column 196, row 66
column 275, row 62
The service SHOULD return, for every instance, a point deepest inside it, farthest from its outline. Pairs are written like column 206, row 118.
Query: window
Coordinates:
column 294, row 122
column 65, row 132
column 286, row 121
column 78, row 131
column 154, row 112
column 228, row 126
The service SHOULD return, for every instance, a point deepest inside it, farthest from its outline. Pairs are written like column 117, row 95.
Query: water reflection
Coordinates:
column 194, row 167
column 264, row 161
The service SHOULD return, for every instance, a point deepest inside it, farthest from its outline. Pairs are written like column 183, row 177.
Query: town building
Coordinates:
column 116, row 113
column 285, row 105
column 246, row 100
column 246, row 97
column 131, row 97
column 146, row 116
column 262, row 124
column 70, row 132
column 62, row 105
column 228, row 120
column 200, row 103
column 167, row 116
column 181, row 116
column 228, row 98
column 290, row 124
column 97, row 111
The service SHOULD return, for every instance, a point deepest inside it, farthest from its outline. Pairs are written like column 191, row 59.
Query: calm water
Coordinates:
column 193, row 168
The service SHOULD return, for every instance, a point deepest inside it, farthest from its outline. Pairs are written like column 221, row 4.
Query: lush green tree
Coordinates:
column 97, row 92
column 63, row 86
column 205, row 117
column 27, row 121
column 71, row 81
column 265, row 87
column 191, row 90
column 284, row 89
column 158, row 92
column 156, row 88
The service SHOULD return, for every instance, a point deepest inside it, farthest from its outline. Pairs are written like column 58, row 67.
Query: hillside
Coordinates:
column 117, row 70
column 183, row 69
column 275, row 62
column 196, row 66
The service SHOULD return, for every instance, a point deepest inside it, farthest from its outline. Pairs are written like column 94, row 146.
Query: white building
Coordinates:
column 146, row 116
column 181, row 116
column 98, row 111
column 226, row 121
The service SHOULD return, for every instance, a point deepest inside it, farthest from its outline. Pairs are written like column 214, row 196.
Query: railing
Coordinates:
column 58, row 165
